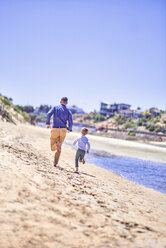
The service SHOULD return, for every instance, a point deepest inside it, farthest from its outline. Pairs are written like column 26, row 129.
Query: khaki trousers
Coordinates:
column 56, row 140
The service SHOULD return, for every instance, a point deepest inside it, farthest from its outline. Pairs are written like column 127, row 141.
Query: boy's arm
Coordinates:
column 75, row 142
column 49, row 114
column 70, row 122
column 88, row 146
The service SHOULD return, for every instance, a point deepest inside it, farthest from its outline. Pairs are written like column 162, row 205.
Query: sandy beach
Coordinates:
column 46, row 207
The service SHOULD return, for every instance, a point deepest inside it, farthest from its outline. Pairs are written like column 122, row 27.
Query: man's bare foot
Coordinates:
column 83, row 161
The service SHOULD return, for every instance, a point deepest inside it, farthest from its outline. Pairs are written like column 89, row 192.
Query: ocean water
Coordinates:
column 147, row 173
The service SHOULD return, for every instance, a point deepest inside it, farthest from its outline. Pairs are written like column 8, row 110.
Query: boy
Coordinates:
column 83, row 147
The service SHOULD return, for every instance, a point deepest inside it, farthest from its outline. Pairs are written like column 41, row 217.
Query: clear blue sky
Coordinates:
column 88, row 50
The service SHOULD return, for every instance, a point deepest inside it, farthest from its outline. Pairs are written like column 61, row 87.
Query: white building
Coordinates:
column 110, row 109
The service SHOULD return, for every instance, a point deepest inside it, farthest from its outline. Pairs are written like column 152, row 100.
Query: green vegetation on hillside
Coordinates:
column 9, row 111
column 95, row 117
column 147, row 123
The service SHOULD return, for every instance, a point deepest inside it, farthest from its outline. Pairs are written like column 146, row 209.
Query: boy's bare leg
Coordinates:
column 83, row 161
column 82, row 157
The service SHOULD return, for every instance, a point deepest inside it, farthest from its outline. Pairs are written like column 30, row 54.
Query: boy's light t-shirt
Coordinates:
column 83, row 142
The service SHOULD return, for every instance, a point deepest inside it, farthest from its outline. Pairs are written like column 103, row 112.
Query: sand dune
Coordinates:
column 42, row 206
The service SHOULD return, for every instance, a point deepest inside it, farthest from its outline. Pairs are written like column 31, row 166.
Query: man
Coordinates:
column 62, row 122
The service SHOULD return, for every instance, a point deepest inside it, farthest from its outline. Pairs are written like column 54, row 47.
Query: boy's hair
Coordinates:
column 64, row 99
column 84, row 130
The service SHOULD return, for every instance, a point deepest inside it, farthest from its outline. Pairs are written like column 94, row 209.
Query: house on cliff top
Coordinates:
column 108, row 109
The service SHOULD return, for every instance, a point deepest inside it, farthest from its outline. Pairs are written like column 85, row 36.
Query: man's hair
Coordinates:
column 64, row 99
column 84, row 130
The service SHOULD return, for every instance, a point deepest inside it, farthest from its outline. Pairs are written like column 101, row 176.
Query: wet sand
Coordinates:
column 42, row 206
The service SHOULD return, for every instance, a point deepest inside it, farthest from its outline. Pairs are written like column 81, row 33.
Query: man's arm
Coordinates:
column 70, row 122
column 49, row 114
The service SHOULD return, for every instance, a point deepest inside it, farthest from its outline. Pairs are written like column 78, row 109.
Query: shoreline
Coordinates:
column 43, row 206
column 125, row 148
column 134, row 169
